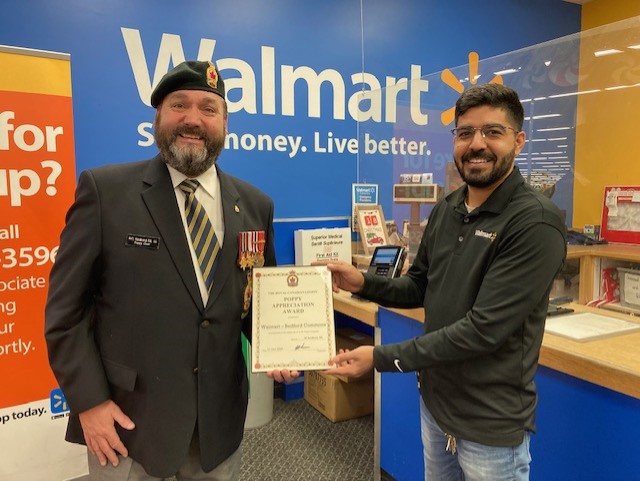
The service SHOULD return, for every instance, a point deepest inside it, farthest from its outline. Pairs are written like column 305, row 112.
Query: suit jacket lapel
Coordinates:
column 159, row 197
column 233, row 221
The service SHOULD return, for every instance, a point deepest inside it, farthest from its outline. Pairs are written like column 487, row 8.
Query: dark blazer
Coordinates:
column 126, row 322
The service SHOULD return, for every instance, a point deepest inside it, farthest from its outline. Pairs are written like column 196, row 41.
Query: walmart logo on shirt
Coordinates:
column 487, row 235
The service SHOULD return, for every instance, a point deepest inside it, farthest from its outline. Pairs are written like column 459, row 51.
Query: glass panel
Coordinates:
column 579, row 94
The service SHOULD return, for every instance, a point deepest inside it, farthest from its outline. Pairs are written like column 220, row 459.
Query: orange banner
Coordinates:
column 37, row 179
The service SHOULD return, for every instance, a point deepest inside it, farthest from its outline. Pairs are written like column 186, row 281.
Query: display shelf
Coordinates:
column 592, row 260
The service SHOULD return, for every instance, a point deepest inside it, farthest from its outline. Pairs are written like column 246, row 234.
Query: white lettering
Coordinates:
column 265, row 142
column 27, row 137
column 373, row 97
column 145, row 129
column 314, row 82
column 366, row 104
column 268, row 80
column 170, row 52
column 246, row 83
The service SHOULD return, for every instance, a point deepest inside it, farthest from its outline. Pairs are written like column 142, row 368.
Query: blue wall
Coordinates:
column 120, row 47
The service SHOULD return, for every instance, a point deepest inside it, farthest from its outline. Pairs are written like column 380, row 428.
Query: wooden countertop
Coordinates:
column 622, row 252
column 360, row 309
column 612, row 362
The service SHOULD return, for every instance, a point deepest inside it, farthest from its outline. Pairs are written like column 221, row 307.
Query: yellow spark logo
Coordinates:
column 452, row 81
column 59, row 402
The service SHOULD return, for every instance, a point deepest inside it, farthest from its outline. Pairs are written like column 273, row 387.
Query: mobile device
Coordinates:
column 387, row 261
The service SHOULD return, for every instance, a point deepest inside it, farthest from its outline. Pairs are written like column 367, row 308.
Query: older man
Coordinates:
column 151, row 291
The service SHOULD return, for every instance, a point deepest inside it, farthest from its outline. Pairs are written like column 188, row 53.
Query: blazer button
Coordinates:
column 195, row 370
column 204, row 324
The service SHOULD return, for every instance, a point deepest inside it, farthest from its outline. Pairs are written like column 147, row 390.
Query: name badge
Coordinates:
column 148, row 242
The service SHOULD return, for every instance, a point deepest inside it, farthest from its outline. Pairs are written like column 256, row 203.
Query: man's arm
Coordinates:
column 73, row 354
column 512, row 288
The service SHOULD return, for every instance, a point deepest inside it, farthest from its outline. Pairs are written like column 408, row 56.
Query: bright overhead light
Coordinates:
column 558, row 138
column 553, row 128
column 547, row 62
column 582, row 92
column 507, row 71
column 635, row 47
column 546, row 116
column 617, row 87
column 610, row 51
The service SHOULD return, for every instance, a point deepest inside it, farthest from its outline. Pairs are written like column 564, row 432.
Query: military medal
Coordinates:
column 250, row 254
column 251, row 249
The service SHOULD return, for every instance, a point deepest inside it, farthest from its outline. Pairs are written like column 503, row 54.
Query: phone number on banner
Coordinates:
column 27, row 256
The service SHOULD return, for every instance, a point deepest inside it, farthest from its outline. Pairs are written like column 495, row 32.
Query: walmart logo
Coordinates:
column 487, row 235
column 58, row 402
column 452, row 81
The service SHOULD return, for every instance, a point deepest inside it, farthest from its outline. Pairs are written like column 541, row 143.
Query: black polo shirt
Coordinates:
column 484, row 279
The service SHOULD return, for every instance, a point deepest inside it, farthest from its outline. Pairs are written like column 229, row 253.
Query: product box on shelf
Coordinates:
column 337, row 397
column 629, row 287
column 326, row 244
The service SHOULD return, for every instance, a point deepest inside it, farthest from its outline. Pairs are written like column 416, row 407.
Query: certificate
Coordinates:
column 292, row 314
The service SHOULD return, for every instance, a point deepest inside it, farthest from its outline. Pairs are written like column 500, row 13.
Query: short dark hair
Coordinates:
column 493, row 95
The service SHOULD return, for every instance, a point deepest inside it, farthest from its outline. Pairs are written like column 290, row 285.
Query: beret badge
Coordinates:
column 212, row 76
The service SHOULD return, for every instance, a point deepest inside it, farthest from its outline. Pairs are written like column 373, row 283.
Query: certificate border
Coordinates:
column 288, row 273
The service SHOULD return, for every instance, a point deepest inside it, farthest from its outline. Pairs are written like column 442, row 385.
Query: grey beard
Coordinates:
column 190, row 162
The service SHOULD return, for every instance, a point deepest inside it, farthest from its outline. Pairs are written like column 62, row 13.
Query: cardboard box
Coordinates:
column 338, row 397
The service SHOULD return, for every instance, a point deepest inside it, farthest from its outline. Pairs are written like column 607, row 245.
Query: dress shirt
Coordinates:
column 208, row 194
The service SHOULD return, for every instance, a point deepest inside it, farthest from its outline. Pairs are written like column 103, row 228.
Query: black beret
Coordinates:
column 189, row 75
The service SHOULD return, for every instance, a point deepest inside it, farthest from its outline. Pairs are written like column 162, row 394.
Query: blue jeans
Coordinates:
column 471, row 461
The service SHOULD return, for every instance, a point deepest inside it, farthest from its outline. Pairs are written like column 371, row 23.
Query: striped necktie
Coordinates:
column 203, row 238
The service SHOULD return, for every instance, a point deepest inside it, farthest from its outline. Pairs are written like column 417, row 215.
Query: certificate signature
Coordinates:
column 293, row 324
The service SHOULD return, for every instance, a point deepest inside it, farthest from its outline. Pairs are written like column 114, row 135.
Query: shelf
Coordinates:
column 616, row 306
column 591, row 257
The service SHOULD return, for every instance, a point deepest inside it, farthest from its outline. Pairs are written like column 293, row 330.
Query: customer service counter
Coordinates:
column 588, row 415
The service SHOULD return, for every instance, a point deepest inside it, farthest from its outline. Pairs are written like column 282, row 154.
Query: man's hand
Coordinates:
column 284, row 375
column 345, row 276
column 352, row 363
column 98, row 425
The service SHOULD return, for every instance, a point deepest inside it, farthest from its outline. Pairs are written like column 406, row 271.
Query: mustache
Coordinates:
column 189, row 130
column 480, row 154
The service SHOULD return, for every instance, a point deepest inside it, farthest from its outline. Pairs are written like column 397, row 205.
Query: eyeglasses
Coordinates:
column 489, row 132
